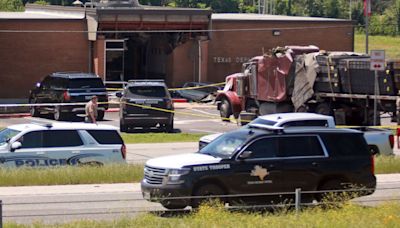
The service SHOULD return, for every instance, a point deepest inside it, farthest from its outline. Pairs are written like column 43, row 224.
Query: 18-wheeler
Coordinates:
column 305, row 79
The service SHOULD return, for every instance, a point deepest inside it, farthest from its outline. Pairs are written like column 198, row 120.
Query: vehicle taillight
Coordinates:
column 66, row 96
column 391, row 141
column 372, row 164
column 169, row 104
column 123, row 151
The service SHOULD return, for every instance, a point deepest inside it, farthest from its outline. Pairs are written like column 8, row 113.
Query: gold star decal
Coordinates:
column 260, row 172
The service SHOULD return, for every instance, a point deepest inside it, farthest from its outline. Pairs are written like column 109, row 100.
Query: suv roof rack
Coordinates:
column 267, row 127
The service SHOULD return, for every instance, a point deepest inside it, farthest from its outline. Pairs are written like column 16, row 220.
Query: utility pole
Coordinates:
column 350, row 10
column 367, row 12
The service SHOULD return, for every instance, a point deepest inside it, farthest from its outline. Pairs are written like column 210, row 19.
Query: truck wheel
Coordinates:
column 206, row 190
column 58, row 115
column 324, row 109
column 225, row 110
column 100, row 115
column 34, row 110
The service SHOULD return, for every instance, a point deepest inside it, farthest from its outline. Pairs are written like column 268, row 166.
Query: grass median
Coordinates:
column 386, row 215
column 116, row 174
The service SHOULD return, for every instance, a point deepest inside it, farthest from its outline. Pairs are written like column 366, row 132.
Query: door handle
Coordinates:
column 76, row 152
column 40, row 153
column 271, row 166
column 315, row 164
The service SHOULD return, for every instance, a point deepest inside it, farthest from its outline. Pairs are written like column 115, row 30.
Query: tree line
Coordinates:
column 385, row 18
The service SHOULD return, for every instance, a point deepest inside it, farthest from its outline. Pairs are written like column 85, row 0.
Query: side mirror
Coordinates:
column 245, row 154
column 118, row 94
column 15, row 145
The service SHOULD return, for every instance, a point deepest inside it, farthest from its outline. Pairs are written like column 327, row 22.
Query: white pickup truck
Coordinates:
column 380, row 141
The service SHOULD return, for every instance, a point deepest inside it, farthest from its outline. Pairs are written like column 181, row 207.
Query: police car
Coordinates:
column 262, row 160
column 41, row 145
column 297, row 119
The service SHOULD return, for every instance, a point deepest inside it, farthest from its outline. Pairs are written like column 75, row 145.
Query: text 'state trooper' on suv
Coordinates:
column 263, row 160
column 146, row 104
column 68, row 87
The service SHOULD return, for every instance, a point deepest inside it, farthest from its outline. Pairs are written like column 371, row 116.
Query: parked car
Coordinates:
column 263, row 160
column 140, row 94
column 380, row 141
column 68, row 87
column 42, row 145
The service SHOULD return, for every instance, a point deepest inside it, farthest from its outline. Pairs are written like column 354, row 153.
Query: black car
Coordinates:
column 146, row 104
column 68, row 87
column 254, row 160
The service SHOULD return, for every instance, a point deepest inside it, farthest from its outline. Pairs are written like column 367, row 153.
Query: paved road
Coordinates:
column 53, row 204
column 189, row 117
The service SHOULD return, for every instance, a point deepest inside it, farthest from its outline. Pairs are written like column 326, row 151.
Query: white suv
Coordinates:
column 41, row 145
column 297, row 119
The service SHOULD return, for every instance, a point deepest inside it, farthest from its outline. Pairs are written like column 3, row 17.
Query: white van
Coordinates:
column 41, row 145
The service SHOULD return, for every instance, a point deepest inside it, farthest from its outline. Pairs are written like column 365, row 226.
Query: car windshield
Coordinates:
column 148, row 91
column 263, row 122
column 6, row 135
column 225, row 145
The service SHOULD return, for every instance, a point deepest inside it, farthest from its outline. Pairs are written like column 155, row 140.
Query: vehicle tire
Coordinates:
column 122, row 127
column 324, row 109
column 100, row 115
column 225, row 110
column 34, row 110
column 206, row 190
column 170, row 127
column 58, row 115
column 172, row 206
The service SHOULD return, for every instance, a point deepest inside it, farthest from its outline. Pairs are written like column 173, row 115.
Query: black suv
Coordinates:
column 252, row 160
column 140, row 94
column 66, row 87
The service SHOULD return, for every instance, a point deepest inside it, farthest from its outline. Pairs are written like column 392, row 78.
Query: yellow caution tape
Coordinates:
column 176, row 89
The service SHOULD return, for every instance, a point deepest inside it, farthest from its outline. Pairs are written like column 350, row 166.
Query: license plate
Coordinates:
column 146, row 195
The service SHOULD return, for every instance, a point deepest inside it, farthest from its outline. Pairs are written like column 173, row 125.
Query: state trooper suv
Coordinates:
column 41, row 145
column 258, row 160
column 146, row 104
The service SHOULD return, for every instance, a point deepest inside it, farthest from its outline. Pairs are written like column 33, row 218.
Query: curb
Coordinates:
column 14, row 115
column 112, row 110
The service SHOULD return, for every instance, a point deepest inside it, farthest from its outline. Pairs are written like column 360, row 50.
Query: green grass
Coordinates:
column 386, row 215
column 387, row 164
column 160, row 137
column 116, row 174
column 390, row 44
column 71, row 175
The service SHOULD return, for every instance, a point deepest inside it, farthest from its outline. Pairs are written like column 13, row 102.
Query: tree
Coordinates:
column 11, row 5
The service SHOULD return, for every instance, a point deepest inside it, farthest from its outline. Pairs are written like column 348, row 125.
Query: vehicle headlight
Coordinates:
column 174, row 175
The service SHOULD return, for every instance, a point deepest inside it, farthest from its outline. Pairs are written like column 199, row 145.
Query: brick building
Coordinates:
column 122, row 41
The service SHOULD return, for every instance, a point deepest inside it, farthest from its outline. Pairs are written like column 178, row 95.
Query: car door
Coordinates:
column 60, row 151
column 260, row 172
column 303, row 157
column 30, row 153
